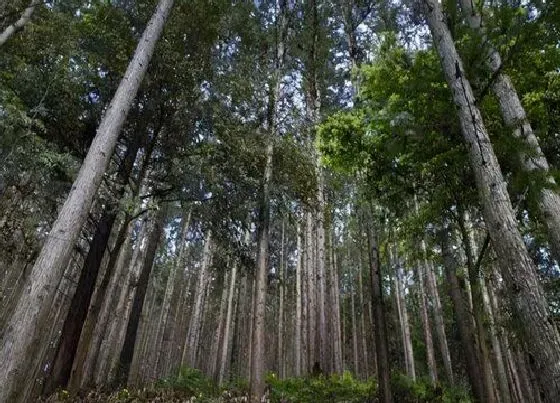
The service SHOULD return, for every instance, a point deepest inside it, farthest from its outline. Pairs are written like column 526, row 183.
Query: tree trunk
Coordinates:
column 71, row 331
column 25, row 333
column 20, row 23
column 258, row 339
column 127, row 352
column 403, row 317
column 215, row 346
column 438, row 317
column 513, row 113
column 381, row 342
column 226, row 339
column 192, row 340
column 335, row 306
column 162, row 335
column 298, row 315
column 462, row 317
column 518, row 270
column 481, row 337
column 354, row 332
column 362, row 313
column 281, row 286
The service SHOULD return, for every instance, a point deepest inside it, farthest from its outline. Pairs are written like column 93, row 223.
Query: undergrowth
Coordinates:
column 191, row 385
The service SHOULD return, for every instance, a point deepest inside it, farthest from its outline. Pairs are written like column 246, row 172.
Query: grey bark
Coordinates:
column 227, row 329
column 518, row 270
column 20, row 23
column 26, row 329
column 515, row 117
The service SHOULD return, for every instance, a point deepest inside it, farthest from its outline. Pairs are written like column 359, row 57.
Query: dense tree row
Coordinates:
column 296, row 187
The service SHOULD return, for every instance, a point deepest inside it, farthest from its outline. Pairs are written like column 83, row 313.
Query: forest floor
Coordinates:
column 191, row 386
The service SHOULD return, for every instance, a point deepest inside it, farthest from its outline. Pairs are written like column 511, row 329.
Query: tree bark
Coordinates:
column 281, row 286
column 298, row 305
column 226, row 339
column 518, row 270
column 191, row 342
column 462, row 316
column 381, row 342
column 25, row 332
column 20, row 23
column 71, row 331
column 515, row 117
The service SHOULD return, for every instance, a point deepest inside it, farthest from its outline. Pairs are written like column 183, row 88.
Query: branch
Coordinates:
column 19, row 24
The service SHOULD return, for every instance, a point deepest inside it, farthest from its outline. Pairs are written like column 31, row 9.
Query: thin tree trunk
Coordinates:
column 162, row 335
column 26, row 331
column 335, row 301
column 518, row 270
column 381, row 342
column 226, row 339
column 354, row 333
column 281, row 286
column 438, row 317
column 363, row 318
column 298, row 315
column 497, row 354
column 127, row 352
column 215, row 349
column 481, row 337
column 403, row 318
column 20, row 23
column 311, row 292
column 463, row 318
column 191, row 342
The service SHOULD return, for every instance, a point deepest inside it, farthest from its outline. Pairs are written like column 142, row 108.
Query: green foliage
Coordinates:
column 190, row 381
column 405, row 390
column 334, row 388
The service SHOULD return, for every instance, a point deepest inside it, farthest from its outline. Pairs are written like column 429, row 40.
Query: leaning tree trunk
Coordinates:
column 518, row 270
column 27, row 327
column 20, row 23
column 515, row 117
column 76, row 316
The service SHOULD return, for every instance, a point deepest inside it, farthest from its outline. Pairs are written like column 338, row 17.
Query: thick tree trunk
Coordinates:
column 513, row 113
column 311, row 289
column 20, row 23
column 518, row 270
column 25, row 333
column 71, row 331
column 381, row 342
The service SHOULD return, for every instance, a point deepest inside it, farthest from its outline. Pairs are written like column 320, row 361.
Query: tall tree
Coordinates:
column 518, row 269
column 27, row 324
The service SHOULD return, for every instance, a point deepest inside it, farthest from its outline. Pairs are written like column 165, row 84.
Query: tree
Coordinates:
column 24, row 333
column 517, row 267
